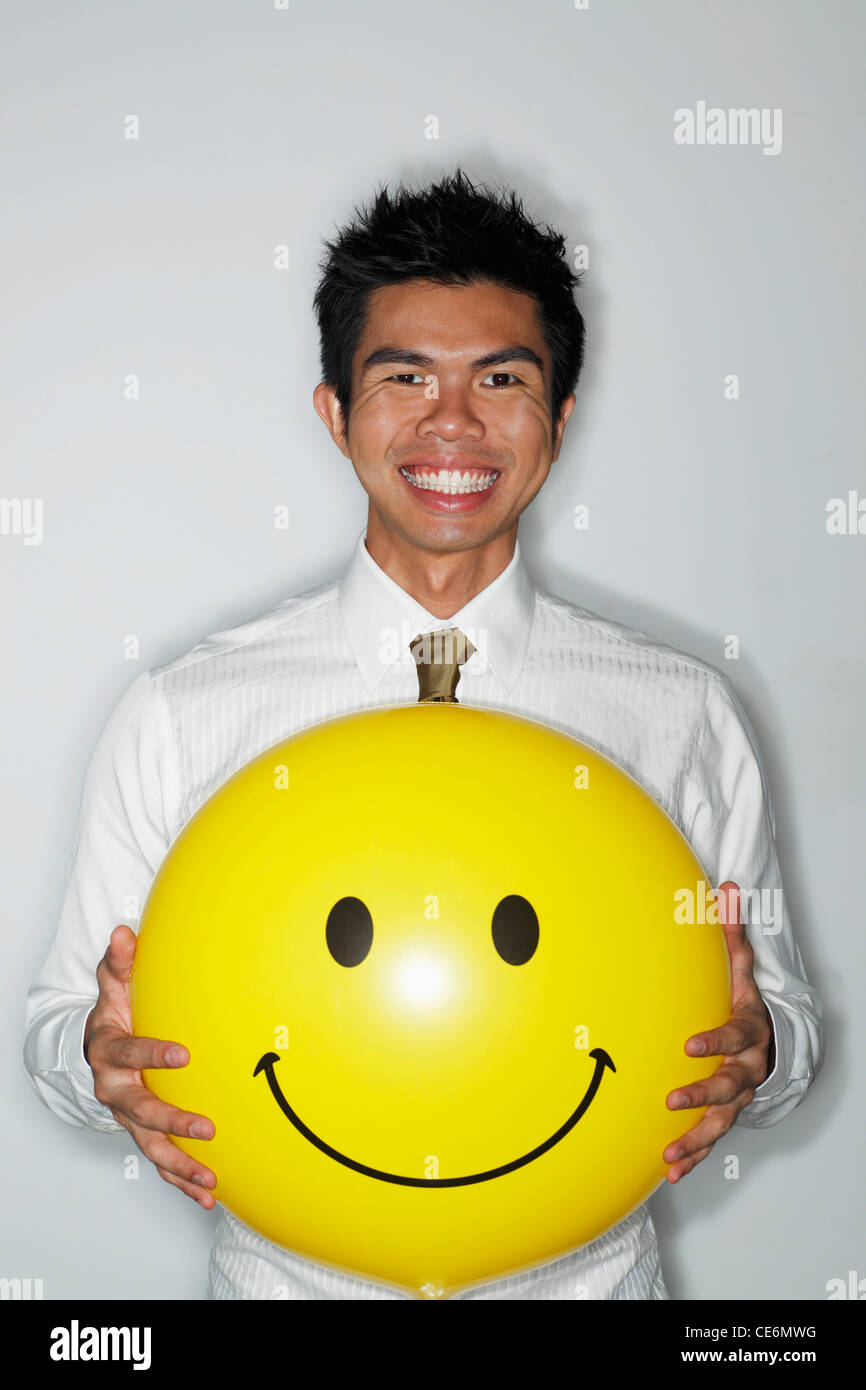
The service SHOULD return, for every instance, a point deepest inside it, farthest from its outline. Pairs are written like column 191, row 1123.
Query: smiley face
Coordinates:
column 429, row 968
column 349, row 936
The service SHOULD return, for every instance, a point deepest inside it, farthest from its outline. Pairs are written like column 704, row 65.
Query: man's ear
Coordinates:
column 565, row 411
column 330, row 411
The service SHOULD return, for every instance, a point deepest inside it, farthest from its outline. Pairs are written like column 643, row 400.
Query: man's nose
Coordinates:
column 452, row 413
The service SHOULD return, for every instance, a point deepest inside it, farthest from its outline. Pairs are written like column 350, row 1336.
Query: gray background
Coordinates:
column 262, row 127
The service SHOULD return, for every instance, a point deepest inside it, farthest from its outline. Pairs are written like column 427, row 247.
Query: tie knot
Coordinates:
column 438, row 657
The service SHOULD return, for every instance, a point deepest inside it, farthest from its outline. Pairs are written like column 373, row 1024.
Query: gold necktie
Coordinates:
column 438, row 657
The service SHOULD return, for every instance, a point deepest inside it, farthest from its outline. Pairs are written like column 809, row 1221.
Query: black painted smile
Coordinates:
column 266, row 1064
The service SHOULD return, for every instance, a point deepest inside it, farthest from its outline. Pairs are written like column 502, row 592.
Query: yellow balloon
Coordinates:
column 435, row 967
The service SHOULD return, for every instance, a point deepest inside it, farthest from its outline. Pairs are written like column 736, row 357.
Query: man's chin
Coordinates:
column 445, row 533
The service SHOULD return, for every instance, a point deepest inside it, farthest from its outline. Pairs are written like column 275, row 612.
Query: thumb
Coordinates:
column 121, row 951
column 728, row 902
column 739, row 947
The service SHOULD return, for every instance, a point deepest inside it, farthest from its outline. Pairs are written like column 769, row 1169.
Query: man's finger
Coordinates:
column 199, row 1194
column 685, row 1165
column 121, row 949
column 727, row 1084
column 728, row 902
column 740, row 949
column 175, row 1166
column 709, row 1128
column 145, row 1109
column 164, row 1154
column 130, row 1052
column 115, row 968
column 738, row 1034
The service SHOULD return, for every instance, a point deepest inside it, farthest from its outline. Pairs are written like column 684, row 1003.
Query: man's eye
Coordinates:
column 411, row 377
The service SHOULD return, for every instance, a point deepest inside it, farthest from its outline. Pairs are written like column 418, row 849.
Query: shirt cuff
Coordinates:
column 760, row 1110
column 72, row 1061
column 775, row 1031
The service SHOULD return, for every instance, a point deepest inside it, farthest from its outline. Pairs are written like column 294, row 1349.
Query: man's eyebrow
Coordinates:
column 411, row 357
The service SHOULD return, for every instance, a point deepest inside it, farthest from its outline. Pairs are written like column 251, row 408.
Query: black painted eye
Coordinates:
column 349, row 932
column 515, row 929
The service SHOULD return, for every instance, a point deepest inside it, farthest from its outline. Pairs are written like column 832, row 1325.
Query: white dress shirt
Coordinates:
column 180, row 730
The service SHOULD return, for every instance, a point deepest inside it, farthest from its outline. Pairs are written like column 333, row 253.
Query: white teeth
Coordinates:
column 451, row 482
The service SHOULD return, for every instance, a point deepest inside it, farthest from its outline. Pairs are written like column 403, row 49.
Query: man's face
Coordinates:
column 446, row 380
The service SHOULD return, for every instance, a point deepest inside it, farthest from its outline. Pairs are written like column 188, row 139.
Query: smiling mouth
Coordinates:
column 266, row 1064
column 450, row 482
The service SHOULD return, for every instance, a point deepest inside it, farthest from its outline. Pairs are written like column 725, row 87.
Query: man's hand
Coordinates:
column 116, row 1057
column 746, row 1042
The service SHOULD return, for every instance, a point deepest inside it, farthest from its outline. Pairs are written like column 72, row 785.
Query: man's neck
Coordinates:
column 442, row 581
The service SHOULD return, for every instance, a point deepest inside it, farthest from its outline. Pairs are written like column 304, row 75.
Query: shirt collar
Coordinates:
column 381, row 619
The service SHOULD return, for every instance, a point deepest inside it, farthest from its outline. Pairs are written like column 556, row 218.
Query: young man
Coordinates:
column 451, row 347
